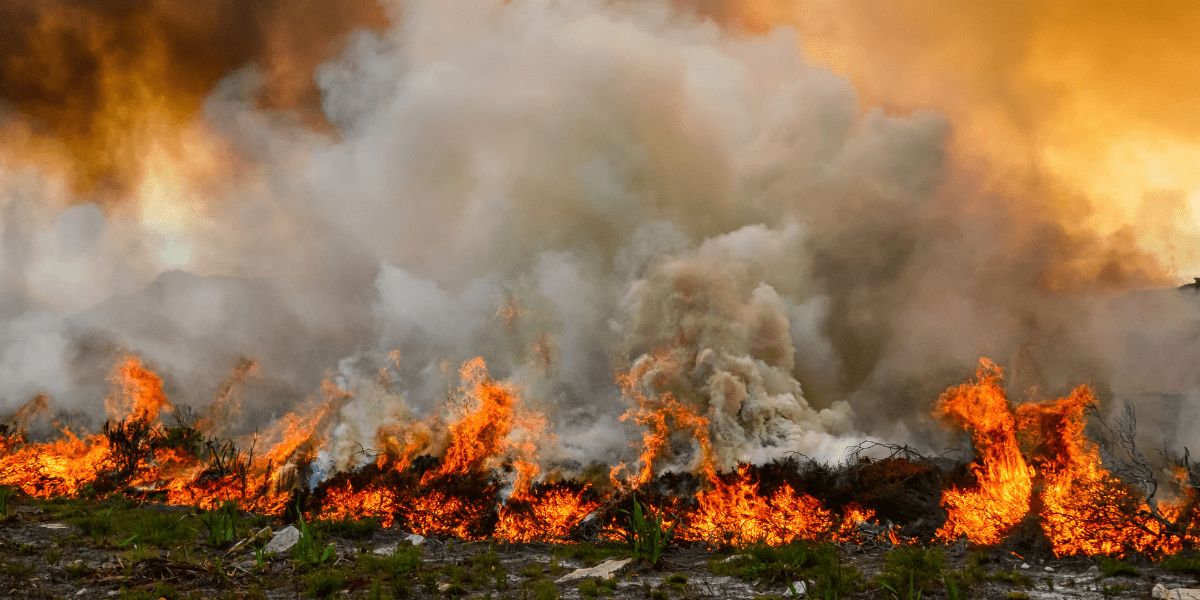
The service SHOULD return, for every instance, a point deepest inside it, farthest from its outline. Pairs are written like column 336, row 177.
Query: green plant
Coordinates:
column 1178, row 563
column 1016, row 596
column 533, row 571
column 405, row 560
column 917, row 568
column 77, row 569
column 54, row 555
column 589, row 588
column 16, row 570
column 487, row 567
column 312, row 549
column 951, row 588
column 324, row 583
column 819, row 565
column 96, row 524
column 261, row 556
column 1112, row 591
column 350, row 529
column 646, row 537
column 914, row 592
column 6, row 496
column 1013, row 577
column 429, row 581
column 1112, row 567
column 545, row 590
column 376, row 592
column 220, row 524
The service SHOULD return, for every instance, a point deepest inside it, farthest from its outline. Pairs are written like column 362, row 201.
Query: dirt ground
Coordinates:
column 43, row 557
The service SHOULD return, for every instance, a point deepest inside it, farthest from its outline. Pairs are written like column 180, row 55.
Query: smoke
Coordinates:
column 99, row 77
column 1065, row 100
column 572, row 191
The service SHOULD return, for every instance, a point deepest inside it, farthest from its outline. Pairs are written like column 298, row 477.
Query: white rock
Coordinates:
column 81, row 591
column 1024, row 565
column 55, row 526
column 1159, row 591
column 604, row 570
column 283, row 541
column 415, row 539
column 1181, row 594
column 1093, row 569
column 1048, row 569
column 386, row 550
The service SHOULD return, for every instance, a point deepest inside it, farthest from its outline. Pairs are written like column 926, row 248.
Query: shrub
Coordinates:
column 1178, row 563
column 818, row 564
column 324, row 583
column 545, row 590
column 6, row 496
column 912, row 568
column 646, row 537
column 1113, row 567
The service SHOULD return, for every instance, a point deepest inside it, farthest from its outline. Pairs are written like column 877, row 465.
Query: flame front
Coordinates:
column 986, row 513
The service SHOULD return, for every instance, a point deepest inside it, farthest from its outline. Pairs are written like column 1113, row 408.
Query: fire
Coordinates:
column 546, row 515
column 1084, row 508
column 986, row 513
column 735, row 513
column 661, row 415
column 344, row 503
column 491, row 427
column 140, row 394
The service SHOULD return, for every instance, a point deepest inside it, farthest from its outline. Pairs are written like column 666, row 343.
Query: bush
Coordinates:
column 646, row 537
column 913, row 569
column 6, row 496
column 1113, row 567
column 545, row 590
column 818, row 564
column 324, row 583
column 1178, row 563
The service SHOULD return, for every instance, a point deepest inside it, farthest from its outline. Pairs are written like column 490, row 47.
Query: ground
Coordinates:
column 119, row 549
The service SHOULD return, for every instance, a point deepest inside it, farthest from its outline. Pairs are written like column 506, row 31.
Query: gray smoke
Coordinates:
column 571, row 190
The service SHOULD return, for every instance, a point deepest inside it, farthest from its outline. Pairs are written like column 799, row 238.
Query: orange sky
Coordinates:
column 1096, row 97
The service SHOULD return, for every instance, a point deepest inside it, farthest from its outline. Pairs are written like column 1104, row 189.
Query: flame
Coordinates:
column 139, row 394
column 735, row 513
column 1031, row 451
column 1084, row 508
column 546, row 515
column 986, row 513
column 661, row 415
column 343, row 503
